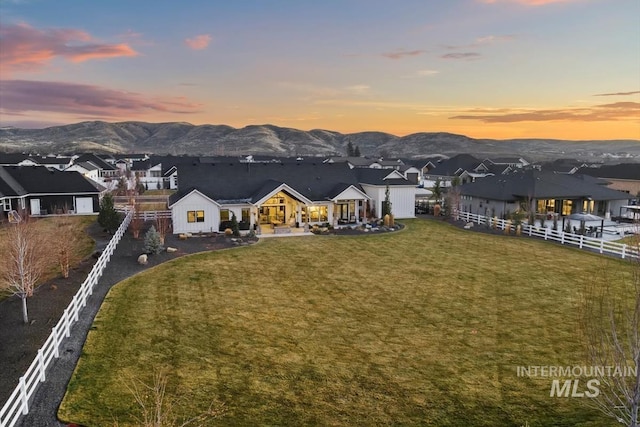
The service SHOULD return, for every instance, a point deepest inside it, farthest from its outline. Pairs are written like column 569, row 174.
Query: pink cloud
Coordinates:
column 198, row 42
column 401, row 53
column 461, row 55
column 24, row 48
column 20, row 96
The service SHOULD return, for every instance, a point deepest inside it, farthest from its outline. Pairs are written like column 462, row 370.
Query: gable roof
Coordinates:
column 97, row 161
column 12, row 158
column 381, row 177
column 25, row 180
column 622, row 171
column 250, row 182
column 539, row 185
column 449, row 167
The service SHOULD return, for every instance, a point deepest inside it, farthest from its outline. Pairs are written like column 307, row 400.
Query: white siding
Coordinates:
column 195, row 202
column 403, row 199
column 350, row 194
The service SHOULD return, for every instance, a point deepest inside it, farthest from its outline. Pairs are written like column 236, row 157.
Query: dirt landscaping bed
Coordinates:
column 19, row 342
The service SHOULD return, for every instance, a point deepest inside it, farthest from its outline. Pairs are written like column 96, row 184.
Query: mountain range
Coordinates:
column 184, row 138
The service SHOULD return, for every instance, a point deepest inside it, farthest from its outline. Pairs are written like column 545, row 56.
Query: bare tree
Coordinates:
column 25, row 260
column 611, row 325
column 156, row 410
column 64, row 245
column 136, row 221
column 163, row 226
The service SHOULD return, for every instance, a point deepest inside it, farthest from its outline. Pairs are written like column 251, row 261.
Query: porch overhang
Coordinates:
column 287, row 189
column 350, row 193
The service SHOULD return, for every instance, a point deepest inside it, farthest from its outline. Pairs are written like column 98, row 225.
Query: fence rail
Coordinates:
column 153, row 215
column 583, row 242
column 18, row 402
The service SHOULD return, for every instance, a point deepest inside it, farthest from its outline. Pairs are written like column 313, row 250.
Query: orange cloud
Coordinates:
column 20, row 96
column 198, row 42
column 24, row 48
column 605, row 112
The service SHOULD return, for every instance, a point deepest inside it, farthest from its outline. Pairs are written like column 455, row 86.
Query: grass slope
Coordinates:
column 420, row 327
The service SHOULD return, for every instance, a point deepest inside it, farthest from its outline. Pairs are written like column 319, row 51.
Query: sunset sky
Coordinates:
column 566, row 69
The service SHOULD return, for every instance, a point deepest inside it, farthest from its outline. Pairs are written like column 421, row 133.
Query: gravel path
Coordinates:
column 123, row 264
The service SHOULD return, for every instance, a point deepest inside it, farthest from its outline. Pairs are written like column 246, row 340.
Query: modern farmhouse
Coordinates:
column 284, row 195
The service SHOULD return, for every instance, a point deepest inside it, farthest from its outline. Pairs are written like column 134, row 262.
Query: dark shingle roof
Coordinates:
column 377, row 177
column 12, row 158
column 99, row 162
column 41, row 180
column 621, row 171
column 450, row 166
column 539, row 185
column 252, row 181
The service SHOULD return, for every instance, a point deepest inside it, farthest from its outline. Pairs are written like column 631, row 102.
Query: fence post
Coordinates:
column 530, row 228
column 624, row 250
column 24, row 397
column 562, row 238
column 41, row 365
column 67, row 325
column 601, row 245
column 581, row 240
column 546, row 231
column 56, row 352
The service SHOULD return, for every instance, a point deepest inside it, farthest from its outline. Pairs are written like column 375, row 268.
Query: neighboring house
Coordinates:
column 365, row 162
column 464, row 166
column 16, row 159
column 512, row 162
column 86, row 169
column 623, row 177
column 548, row 193
column 277, row 194
column 170, row 166
column 149, row 174
column 106, row 171
column 53, row 162
column 38, row 190
column 411, row 173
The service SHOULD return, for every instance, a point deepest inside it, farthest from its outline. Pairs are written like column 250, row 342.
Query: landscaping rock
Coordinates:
column 171, row 250
column 142, row 259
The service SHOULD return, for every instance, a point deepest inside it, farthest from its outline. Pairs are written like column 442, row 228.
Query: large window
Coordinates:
column 545, row 206
column 245, row 214
column 318, row 214
column 195, row 216
column 6, row 204
column 566, row 207
column 225, row 215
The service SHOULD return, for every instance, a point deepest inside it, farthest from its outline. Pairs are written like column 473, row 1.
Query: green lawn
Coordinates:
column 421, row 327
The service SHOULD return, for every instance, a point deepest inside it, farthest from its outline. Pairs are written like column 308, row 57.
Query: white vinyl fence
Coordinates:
column 579, row 240
column 18, row 403
column 153, row 215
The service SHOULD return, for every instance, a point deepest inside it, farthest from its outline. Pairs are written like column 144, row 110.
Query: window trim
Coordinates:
column 195, row 216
